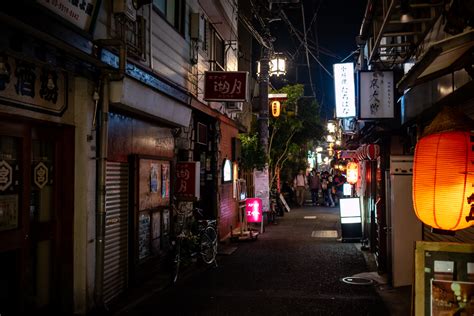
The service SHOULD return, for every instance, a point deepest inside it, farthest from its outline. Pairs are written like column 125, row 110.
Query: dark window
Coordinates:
column 219, row 51
column 172, row 11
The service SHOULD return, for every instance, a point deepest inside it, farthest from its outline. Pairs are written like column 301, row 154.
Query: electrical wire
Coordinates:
column 307, row 51
column 288, row 22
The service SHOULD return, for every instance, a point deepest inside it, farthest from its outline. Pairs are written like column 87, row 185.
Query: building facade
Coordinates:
column 98, row 102
column 424, row 50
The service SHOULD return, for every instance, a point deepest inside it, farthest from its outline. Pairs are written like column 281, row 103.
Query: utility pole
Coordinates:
column 263, row 88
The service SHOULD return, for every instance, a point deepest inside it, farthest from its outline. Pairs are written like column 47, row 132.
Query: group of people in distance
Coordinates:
column 325, row 188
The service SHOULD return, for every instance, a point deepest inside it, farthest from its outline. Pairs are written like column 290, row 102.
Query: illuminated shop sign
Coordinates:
column 376, row 94
column 344, row 90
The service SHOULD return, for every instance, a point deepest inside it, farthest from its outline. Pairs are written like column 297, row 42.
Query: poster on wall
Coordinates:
column 150, row 184
column 165, row 181
column 444, row 278
column 154, row 178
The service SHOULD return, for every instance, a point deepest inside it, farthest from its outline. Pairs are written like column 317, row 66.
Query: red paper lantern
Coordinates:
column 372, row 151
column 352, row 172
column 443, row 179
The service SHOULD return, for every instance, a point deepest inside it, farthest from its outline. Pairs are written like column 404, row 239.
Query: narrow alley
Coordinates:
column 288, row 270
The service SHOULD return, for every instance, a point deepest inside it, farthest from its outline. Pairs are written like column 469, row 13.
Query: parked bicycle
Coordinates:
column 196, row 239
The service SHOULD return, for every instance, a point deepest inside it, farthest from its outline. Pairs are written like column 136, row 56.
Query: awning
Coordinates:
column 441, row 58
column 132, row 96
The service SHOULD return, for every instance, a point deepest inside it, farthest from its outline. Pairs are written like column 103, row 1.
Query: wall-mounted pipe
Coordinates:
column 102, row 138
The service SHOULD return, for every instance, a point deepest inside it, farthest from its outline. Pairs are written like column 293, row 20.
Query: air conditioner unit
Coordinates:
column 234, row 106
column 196, row 31
column 126, row 8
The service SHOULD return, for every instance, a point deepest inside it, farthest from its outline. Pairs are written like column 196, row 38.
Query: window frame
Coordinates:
column 179, row 14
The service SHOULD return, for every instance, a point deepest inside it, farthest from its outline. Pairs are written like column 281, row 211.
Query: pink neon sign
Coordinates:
column 253, row 209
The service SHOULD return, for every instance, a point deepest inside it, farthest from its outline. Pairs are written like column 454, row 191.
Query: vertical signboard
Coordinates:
column 253, row 210
column 344, row 90
column 262, row 189
column 188, row 180
column 376, row 94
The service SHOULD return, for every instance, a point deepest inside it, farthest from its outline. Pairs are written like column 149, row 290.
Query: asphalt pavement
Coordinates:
column 296, row 267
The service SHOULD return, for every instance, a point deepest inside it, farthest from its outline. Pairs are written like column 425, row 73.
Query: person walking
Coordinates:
column 300, row 183
column 326, row 185
column 314, row 186
column 339, row 181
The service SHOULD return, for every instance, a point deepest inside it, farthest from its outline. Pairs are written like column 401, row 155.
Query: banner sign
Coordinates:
column 81, row 13
column 376, row 95
column 344, row 90
column 226, row 86
column 31, row 86
column 188, row 180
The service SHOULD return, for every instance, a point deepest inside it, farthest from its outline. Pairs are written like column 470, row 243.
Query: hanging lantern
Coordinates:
column 443, row 174
column 276, row 108
column 372, row 151
column 352, row 172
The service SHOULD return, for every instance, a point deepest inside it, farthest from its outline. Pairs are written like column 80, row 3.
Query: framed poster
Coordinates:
column 150, row 183
column 165, row 181
column 444, row 271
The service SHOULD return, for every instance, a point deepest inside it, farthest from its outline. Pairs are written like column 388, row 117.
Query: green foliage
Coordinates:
column 290, row 135
column 252, row 153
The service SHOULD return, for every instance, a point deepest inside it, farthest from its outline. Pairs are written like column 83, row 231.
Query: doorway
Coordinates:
column 36, row 216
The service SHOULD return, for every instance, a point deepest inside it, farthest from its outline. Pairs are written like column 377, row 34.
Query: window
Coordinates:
column 172, row 11
column 214, row 46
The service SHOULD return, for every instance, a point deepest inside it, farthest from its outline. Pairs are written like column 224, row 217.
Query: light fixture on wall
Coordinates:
column 405, row 12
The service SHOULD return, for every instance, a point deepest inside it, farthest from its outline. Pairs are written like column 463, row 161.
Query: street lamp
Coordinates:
column 278, row 65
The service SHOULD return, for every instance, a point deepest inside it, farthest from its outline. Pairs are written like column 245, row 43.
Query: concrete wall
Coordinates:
column 84, row 197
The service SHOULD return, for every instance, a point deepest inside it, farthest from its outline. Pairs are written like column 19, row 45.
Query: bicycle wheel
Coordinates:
column 208, row 240
column 177, row 260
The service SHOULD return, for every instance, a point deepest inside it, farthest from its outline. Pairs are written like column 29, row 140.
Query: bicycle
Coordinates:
column 189, row 242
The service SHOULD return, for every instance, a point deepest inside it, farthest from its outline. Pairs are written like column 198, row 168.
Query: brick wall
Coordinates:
column 228, row 215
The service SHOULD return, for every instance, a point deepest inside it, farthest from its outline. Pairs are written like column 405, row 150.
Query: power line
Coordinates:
column 287, row 21
column 307, row 53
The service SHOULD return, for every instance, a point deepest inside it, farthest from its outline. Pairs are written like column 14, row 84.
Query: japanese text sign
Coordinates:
column 344, row 90
column 226, row 86
column 81, row 13
column 376, row 94
column 188, row 180
column 32, row 86
column 253, row 210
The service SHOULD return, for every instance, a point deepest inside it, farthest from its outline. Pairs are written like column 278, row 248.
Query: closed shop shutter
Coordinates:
column 116, row 230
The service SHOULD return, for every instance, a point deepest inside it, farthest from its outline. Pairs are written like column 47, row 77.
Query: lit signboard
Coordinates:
column 227, row 171
column 226, row 86
column 376, row 95
column 351, row 219
column 344, row 90
column 253, row 210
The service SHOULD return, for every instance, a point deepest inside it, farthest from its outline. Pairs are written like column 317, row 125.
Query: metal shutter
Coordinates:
column 116, row 230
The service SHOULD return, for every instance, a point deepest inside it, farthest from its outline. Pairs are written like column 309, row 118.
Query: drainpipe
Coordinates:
column 102, row 136
column 102, row 140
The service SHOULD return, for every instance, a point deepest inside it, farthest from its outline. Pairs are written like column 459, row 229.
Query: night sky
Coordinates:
column 335, row 28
